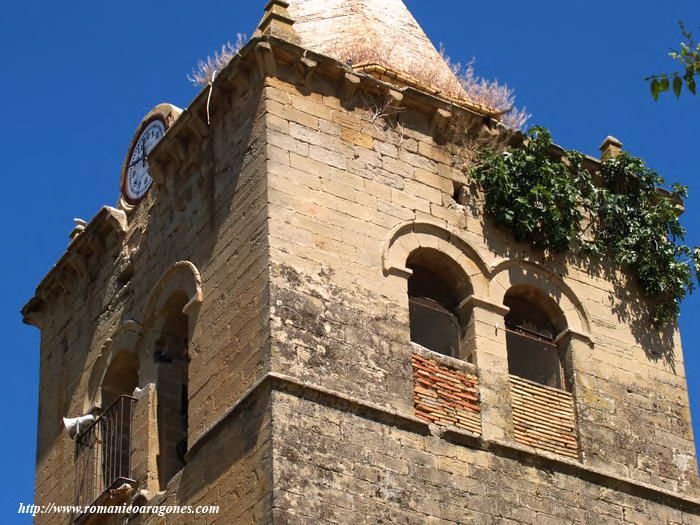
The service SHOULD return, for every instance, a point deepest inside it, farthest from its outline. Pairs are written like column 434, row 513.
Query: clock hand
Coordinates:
column 145, row 153
column 135, row 162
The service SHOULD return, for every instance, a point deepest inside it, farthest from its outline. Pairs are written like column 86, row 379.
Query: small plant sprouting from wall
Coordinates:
column 553, row 203
column 205, row 71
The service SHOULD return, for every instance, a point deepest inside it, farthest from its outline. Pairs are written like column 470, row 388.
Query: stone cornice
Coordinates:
column 72, row 264
column 506, row 449
column 398, row 78
column 266, row 54
column 270, row 55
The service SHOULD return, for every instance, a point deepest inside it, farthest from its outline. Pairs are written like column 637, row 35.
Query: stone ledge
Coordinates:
column 522, row 453
column 312, row 392
column 600, row 477
column 338, row 400
column 208, row 431
column 445, row 360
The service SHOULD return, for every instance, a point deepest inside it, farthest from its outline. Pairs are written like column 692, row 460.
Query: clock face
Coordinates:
column 138, row 181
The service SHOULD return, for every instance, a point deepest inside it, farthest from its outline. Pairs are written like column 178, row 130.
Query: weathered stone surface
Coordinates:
column 325, row 474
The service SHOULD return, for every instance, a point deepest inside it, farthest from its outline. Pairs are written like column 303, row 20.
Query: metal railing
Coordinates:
column 103, row 457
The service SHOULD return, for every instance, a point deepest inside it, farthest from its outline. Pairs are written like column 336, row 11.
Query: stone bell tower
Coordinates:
column 297, row 313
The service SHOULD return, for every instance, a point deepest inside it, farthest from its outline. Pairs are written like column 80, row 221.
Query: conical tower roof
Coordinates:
column 374, row 35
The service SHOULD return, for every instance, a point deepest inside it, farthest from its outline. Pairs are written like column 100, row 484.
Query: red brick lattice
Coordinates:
column 446, row 396
column 543, row 417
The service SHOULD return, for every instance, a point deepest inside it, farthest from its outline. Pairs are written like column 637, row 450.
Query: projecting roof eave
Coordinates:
column 385, row 73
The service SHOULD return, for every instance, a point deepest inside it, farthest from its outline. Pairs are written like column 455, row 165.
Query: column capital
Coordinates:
column 569, row 335
column 402, row 272
column 474, row 302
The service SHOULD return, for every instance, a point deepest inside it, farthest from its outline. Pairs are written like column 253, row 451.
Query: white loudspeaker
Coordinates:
column 75, row 424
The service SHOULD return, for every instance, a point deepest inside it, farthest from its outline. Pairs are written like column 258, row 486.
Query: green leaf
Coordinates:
column 663, row 84
column 545, row 200
column 691, row 85
column 654, row 85
column 677, row 86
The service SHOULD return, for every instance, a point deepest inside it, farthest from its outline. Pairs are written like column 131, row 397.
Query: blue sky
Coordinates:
column 78, row 76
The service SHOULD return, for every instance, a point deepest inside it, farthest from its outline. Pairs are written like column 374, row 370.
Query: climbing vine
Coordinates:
column 549, row 199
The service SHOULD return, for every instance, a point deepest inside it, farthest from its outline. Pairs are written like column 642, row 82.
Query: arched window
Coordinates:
column 435, row 291
column 172, row 363
column 531, row 330
column 113, row 430
column 121, row 378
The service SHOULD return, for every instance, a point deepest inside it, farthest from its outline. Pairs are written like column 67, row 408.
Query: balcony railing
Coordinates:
column 103, row 457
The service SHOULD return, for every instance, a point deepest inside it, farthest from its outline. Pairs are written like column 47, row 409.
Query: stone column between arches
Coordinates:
column 144, row 440
column 574, row 350
column 487, row 344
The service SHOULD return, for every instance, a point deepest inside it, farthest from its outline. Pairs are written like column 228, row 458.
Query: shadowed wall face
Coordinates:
column 211, row 220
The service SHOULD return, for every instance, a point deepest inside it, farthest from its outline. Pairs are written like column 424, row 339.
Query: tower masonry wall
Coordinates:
column 351, row 197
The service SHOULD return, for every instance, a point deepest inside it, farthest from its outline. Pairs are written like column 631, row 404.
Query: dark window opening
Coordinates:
column 172, row 360
column 432, row 305
column 532, row 353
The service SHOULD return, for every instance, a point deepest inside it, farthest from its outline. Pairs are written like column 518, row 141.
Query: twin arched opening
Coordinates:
column 444, row 273
column 439, row 320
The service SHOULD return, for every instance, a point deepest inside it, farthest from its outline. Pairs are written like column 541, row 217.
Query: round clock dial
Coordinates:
column 138, row 181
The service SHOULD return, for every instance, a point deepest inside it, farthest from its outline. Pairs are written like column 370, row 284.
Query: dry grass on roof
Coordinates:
column 456, row 81
column 206, row 70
